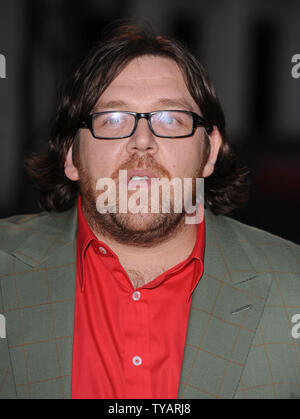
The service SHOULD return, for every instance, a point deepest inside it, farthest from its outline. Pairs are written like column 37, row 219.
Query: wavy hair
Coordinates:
column 226, row 189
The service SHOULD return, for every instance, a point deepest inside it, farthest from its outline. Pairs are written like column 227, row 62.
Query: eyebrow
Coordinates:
column 175, row 102
column 118, row 104
column 113, row 104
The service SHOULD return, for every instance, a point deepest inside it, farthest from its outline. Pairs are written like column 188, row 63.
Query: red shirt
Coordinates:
column 129, row 343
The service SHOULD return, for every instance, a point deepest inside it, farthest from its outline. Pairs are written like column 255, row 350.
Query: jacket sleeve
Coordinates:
column 7, row 383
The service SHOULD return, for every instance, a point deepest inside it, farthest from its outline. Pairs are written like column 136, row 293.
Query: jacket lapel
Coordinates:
column 225, row 311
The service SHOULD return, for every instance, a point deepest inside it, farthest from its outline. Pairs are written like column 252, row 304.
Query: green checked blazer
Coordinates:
column 239, row 341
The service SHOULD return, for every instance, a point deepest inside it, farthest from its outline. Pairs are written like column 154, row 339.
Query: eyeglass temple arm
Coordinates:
column 203, row 122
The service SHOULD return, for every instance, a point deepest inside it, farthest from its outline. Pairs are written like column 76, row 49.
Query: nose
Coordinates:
column 142, row 140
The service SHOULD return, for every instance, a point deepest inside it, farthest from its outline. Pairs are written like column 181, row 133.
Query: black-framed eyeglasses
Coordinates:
column 112, row 125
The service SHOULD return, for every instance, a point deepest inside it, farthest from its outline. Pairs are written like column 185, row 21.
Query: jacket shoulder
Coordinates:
column 19, row 221
column 15, row 230
column 266, row 250
column 257, row 235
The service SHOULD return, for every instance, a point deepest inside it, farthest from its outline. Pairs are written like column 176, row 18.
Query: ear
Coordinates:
column 215, row 140
column 70, row 170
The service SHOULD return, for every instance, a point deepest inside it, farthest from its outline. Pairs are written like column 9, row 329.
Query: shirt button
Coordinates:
column 137, row 360
column 136, row 296
column 102, row 250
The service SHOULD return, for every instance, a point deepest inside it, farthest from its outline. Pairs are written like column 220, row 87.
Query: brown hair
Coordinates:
column 225, row 189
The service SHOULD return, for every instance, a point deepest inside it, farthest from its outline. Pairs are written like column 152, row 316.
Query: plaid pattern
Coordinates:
column 239, row 342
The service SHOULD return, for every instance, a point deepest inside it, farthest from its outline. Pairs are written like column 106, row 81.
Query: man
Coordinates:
column 143, row 304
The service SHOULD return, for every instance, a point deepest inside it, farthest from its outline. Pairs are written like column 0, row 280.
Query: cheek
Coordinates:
column 198, row 154
column 98, row 159
column 187, row 160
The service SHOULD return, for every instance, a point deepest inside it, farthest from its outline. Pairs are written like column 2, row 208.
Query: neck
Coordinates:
column 175, row 248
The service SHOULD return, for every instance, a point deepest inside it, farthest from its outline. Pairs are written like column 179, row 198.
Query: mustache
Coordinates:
column 142, row 162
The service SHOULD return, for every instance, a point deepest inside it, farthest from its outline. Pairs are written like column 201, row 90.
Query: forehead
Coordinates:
column 148, row 81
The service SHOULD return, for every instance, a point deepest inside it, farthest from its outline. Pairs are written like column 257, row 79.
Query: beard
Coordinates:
column 143, row 229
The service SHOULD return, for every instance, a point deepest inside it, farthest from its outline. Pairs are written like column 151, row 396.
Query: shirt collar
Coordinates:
column 84, row 233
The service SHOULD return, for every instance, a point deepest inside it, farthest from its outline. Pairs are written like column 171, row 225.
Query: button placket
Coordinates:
column 136, row 344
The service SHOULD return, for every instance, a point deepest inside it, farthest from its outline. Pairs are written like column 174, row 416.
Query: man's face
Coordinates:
column 147, row 84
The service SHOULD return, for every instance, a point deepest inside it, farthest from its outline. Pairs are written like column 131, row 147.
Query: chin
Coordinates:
column 141, row 221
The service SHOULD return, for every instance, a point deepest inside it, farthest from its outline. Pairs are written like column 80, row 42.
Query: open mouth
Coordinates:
column 139, row 176
column 133, row 178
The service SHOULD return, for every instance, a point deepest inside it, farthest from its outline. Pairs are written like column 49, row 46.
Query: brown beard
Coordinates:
column 131, row 229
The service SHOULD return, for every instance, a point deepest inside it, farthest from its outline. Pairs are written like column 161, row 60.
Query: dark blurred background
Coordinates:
column 246, row 46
